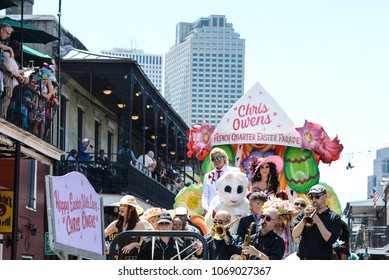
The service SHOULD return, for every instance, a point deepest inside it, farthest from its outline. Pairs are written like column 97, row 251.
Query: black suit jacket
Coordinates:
column 244, row 224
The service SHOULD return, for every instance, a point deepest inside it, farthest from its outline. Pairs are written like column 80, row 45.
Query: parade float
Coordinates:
column 256, row 126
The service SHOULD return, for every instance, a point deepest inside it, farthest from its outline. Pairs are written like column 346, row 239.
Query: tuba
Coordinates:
column 218, row 232
column 308, row 219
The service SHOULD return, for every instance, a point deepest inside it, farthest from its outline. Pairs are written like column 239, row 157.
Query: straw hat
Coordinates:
column 154, row 212
column 131, row 200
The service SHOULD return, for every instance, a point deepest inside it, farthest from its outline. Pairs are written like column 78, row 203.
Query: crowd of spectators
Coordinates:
column 28, row 96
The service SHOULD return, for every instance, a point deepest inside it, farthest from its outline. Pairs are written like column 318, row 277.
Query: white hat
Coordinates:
column 181, row 211
column 85, row 140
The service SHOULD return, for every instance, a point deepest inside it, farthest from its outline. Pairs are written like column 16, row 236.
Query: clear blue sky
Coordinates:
column 326, row 61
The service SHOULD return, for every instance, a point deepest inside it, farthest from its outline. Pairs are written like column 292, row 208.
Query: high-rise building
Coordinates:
column 380, row 178
column 204, row 70
column 151, row 64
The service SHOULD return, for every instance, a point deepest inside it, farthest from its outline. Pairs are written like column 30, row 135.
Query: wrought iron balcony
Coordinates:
column 115, row 178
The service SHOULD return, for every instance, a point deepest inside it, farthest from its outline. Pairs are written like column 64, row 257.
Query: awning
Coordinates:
column 363, row 208
column 38, row 57
column 31, row 34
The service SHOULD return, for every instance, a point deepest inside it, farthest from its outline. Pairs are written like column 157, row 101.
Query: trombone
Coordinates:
column 218, row 232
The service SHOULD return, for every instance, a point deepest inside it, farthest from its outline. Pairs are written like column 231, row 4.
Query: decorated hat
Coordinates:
column 154, row 212
column 131, row 200
column 278, row 162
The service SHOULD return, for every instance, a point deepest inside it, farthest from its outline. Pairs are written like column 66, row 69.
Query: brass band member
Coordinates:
column 322, row 229
column 221, row 247
column 266, row 244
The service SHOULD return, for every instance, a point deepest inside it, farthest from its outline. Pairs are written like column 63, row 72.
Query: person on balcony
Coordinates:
column 84, row 150
column 72, row 164
column 9, row 69
column 125, row 155
column 148, row 161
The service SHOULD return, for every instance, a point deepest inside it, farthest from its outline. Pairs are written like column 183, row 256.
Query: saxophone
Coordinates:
column 246, row 241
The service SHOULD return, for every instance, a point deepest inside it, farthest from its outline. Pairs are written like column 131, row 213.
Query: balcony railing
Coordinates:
column 370, row 237
column 115, row 178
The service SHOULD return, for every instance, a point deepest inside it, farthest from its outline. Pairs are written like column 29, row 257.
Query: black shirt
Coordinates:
column 162, row 251
column 220, row 250
column 271, row 244
column 312, row 244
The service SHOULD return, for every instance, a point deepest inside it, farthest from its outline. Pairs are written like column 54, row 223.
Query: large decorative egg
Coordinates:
column 300, row 169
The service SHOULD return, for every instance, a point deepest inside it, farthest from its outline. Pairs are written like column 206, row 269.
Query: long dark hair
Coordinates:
column 132, row 219
column 272, row 181
column 72, row 153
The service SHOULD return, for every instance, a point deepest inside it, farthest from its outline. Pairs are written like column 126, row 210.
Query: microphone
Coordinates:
column 91, row 146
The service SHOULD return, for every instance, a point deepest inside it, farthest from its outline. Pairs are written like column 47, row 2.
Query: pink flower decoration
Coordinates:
column 199, row 141
column 314, row 137
column 311, row 134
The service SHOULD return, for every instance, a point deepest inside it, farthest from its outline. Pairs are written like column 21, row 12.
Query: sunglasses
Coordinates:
column 300, row 204
column 164, row 224
column 220, row 222
column 311, row 197
column 216, row 158
column 266, row 217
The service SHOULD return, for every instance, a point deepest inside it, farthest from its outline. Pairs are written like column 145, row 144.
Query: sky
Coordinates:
column 325, row 61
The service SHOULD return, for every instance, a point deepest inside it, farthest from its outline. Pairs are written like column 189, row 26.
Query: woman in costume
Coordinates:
column 265, row 172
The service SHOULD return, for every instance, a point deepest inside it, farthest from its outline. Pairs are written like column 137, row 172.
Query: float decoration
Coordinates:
column 190, row 198
column 300, row 169
column 199, row 141
column 313, row 136
column 284, row 207
column 256, row 118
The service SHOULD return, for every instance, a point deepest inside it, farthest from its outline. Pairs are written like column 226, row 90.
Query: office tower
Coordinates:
column 380, row 178
column 204, row 70
column 151, row 64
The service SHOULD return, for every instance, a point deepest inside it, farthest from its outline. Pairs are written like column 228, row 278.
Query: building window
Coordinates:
column 31, row 184
column 385, row 165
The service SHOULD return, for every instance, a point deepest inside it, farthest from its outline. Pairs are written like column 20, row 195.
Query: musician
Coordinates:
column 256, row 201
column 266, row 244
column 163, row 247
column 224, row 248
column 316, row 240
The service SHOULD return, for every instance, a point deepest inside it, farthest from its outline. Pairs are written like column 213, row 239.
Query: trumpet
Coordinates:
column 308, row 219
column 218, row 232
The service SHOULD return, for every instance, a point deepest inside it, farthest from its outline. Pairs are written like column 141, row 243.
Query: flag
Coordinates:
column 375, row 198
